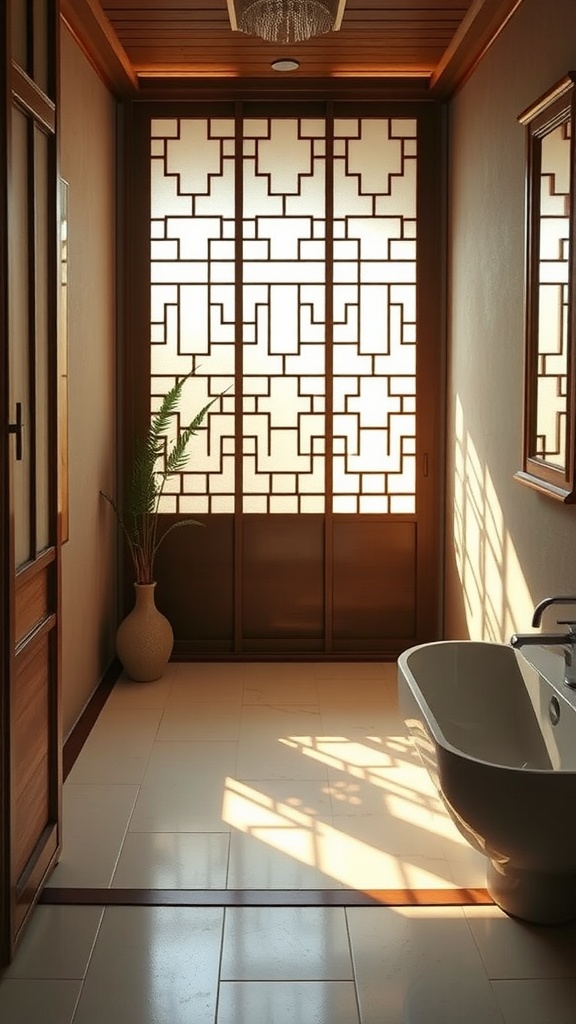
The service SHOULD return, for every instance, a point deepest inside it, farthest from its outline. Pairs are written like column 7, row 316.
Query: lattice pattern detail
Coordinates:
column 286, row 435
column 284, row 273
column 374, row 315
column 553, row 265
column 192, row 297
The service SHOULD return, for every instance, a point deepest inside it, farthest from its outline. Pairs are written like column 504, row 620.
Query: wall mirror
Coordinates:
column 549, row 446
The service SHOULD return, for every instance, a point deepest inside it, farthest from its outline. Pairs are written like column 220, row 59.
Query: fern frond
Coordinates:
column 175, row 526
column 178, row 456
column 143, row 488
column 140, row 519
column 161, row 420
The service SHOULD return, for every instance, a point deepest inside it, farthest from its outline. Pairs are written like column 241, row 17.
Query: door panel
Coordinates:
column 283, row 577
column 374, row 582
column 295, row 261
column 196, row 587
column 29, row 711
column 31, row 744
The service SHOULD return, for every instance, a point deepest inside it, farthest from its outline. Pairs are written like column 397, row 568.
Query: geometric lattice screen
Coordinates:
column 283, row 262
column 553, row 271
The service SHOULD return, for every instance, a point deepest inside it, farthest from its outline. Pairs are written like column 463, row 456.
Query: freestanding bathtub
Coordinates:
column 497, row 733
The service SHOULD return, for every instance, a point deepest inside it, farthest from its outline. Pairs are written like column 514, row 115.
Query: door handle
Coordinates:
column 17, row 428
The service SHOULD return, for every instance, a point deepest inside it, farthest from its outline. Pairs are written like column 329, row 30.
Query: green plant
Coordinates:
column 139, row 521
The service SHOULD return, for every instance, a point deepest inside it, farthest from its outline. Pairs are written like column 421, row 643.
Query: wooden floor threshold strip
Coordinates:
column 266, row 897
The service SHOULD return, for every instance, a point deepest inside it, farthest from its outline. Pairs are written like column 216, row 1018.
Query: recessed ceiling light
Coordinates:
column 286, row 65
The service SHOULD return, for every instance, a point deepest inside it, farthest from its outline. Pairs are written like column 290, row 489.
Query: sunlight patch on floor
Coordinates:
column 293, row 828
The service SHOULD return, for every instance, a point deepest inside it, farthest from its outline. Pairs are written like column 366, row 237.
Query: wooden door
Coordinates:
column 293, row 253
column 30, row 721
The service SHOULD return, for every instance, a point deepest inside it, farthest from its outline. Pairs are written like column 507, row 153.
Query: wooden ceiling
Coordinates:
column 425, row 44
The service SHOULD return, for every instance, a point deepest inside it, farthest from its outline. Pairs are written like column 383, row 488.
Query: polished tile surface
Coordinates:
column 153, row 965
column 286, row 944
column 271, row 776
column 287, row 1002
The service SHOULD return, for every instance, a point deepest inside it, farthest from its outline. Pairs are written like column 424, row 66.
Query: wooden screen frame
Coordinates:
column 135, row 324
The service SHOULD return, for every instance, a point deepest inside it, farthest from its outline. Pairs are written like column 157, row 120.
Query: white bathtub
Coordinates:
column 498, row 736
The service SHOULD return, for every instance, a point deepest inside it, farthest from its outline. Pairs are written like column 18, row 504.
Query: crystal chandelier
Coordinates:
column 286, row 21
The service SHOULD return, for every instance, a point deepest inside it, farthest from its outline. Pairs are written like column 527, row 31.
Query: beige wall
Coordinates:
column 87, row 134
column 506, row 545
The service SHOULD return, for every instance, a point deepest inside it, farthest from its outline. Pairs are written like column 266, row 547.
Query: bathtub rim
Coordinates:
column 431, row 721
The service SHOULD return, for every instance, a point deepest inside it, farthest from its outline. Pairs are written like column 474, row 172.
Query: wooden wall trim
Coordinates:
column 26, row 94
column 92, row 31
column 280, row 91
column 481, row 26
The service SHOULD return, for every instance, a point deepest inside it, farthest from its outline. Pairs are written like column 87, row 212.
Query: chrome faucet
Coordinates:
column 565, row 640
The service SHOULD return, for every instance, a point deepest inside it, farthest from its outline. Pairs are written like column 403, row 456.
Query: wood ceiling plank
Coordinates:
column 138, row 38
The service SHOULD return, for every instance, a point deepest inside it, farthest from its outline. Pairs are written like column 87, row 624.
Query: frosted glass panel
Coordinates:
column 193, row 299
column 42, row 319
column 19, row 333
column 374, row 315
column 284, row 274
column 245, row 265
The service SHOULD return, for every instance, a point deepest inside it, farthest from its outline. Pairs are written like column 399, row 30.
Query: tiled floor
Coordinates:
column 271, row 776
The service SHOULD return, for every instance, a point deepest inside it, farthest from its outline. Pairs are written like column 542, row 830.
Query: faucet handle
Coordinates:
column 567, row 622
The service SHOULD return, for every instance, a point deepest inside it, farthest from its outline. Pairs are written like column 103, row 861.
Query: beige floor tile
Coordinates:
column 118, row 747
column 353, row 687
column 275, row 830
column 176, row 801
column 418, row 965
column 137, row 724
column 376, row 721
column 279, row 682
column 406, row 819
column 153, row 965
column 288, row 857
column 467, row 866
column 360, row 756
column 515, row 949
column 386, row 670
column 284, row 1002
column 176, row 860
column 200, row 722
column 193, row 759
column 285, row 944
column 280, row 719
column 536, row 1002
column 212, row 682
column 291, row 756
column 95, row 820
column 131, row 695
column 365, row 853
column 38, row 1001
column 276, row 802
column 57, row 944
column 267, row 672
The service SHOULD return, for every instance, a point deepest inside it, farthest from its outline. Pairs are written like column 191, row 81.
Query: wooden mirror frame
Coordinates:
column 554, row 477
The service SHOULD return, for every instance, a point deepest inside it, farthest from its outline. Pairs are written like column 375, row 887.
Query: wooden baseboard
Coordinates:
column 85, row 723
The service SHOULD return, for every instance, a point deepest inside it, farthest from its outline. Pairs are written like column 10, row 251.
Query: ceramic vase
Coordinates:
column 144, row 639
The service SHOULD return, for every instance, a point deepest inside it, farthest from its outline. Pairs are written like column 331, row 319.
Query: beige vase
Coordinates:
column 144, row 639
